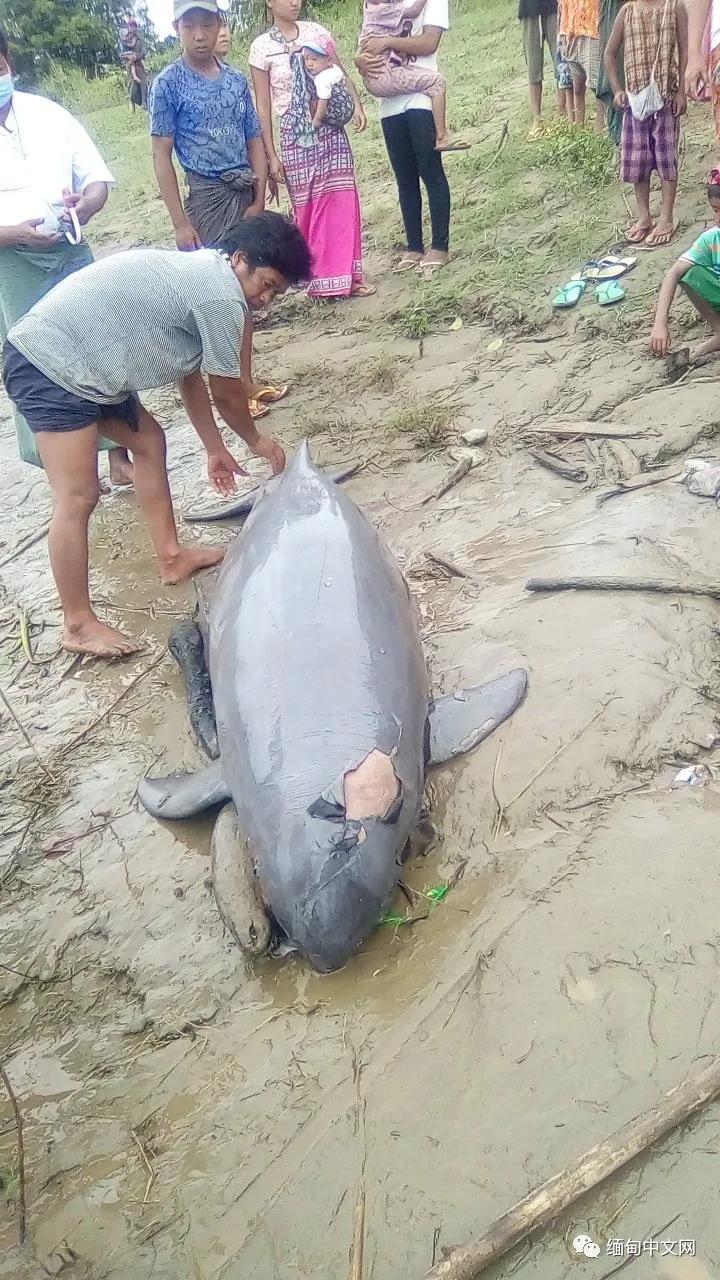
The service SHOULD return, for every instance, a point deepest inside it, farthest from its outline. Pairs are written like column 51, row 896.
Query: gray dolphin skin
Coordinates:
column 325, row 724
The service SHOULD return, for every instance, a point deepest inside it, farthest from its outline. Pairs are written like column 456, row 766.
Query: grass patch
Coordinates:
column 428, row 421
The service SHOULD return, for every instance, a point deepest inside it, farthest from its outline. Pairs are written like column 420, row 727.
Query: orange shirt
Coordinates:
column 579, row 18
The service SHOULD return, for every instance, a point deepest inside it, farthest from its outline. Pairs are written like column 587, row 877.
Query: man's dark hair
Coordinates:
column 270, row 240
column 4, row 48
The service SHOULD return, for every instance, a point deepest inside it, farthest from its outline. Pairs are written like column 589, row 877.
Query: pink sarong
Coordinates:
column 326, row 207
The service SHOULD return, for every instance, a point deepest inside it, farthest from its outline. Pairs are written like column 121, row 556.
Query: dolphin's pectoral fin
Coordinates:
column 182, row 795
column 187, row 648
column 235, row 886
column 460, row 721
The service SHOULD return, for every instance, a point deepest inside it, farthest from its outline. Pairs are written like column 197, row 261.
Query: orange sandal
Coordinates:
column 268, row 394
column 257, row 409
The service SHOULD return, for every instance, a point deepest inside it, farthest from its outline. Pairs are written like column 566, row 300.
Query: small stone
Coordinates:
column 475, row 435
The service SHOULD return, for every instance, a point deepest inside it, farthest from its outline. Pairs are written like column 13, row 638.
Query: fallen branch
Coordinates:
column 656, row 585
column 357, row 1248
column 561, row 468
column 457, row 474
column 22, row 1223
column 146, row 1162
column 554, row 1196
column 589, row 431
column 642, row 481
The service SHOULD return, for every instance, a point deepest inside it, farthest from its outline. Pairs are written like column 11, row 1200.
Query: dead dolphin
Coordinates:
column 324, row 720
column 204, row 512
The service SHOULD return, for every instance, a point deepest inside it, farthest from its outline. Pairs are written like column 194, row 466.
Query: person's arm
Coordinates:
column 87, row 202
column 680, row 99
column 222, row 467
column 263, row 101
column 231, row 403
column 256, row 154
column 697, row 75
column 186, row 237
column 612, row 48
column 320, row 112
column 660, row 336
column 416, row 46
column 26, row 235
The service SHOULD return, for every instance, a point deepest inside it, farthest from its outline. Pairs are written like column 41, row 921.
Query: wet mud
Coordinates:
column 188, row 1112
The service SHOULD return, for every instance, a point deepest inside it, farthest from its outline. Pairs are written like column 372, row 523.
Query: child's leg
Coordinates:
column 636, row 168
column 439, row 104
column 709, row 315
column 70, row 462
column 579, row 81
column 599, row 116
column 664, row 139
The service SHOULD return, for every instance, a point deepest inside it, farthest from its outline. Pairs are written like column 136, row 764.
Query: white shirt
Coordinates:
column 325, row 82
column 42, row 150
column 435, row 14
column 715, row 27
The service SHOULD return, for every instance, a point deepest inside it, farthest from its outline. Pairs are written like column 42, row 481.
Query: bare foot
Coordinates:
column 709, row 348
column 639, row 231
column 187, row 561
column 363, row 291
column 93, row 637
column 661, row 234
column 121, row 468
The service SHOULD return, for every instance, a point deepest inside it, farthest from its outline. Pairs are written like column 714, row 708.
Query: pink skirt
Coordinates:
column 326, row 207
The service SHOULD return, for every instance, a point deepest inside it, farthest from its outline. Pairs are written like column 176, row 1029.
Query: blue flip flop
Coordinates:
column 569, row 295
column 609, row 292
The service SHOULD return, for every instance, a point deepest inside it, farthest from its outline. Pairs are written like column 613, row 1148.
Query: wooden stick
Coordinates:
column 656, row 585
column 20, row 1153
column 641, row 481
column 26, row 736
column 589, row 431
column 449, row 566
column 457, row 474
column 561, row 468
column 554, row 1196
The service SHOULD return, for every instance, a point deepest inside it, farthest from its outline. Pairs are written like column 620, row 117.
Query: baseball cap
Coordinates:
column 324, row 46
column 181, row 7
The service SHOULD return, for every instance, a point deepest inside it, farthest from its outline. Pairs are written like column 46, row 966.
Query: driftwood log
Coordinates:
column 642, row 481
column 589, row 431
column 623, row 584
column 548, row 1201
column 457, row 474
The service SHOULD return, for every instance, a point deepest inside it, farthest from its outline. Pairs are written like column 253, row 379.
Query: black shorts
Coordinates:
column 47, row 407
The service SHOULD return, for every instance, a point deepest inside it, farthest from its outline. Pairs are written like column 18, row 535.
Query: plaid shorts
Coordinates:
column 649, row 145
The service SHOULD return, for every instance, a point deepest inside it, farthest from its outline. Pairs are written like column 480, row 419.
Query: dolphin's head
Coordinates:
column 343, row 862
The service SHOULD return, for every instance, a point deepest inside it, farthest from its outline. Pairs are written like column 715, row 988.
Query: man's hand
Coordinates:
column 697, row 77
column 375, row 46
column 25, row 234
column 186, row 237
column 660, row 339
column 222, row 469
column 83, row 207
column 679, row 105
column 276, row 172
column 620, row 101
column 360, row 119
column 257, row 206
column 266, row 447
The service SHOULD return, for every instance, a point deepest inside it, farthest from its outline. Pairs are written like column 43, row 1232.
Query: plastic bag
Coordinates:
column 646, row 102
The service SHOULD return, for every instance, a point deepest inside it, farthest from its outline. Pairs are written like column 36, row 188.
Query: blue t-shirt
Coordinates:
column 210, row 121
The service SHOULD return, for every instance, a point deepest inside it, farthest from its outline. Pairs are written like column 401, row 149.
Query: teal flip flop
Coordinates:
column 608, row 292
column 569, row 295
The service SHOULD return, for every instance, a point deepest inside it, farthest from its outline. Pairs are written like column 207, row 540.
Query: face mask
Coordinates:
column 6, row 89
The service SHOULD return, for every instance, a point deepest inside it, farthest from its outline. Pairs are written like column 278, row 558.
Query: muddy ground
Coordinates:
column 190, row 1114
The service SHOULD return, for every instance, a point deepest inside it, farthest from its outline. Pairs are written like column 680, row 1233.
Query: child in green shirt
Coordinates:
column 697, row 273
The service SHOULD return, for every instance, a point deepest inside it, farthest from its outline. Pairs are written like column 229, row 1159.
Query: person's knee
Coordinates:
column 150, row 443
column 79, row 500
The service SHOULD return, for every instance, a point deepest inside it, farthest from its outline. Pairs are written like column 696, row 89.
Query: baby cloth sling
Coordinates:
column 649, row 100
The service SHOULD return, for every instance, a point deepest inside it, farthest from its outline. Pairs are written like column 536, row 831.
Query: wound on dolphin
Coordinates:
column 371, row 789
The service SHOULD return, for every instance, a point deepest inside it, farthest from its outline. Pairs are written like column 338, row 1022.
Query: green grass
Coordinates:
column 524, row 216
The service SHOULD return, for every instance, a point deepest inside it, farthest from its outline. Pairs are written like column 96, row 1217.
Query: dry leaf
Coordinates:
column 456, row 324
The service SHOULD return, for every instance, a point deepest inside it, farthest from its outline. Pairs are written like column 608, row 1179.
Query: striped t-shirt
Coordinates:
column 137, row 321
